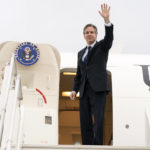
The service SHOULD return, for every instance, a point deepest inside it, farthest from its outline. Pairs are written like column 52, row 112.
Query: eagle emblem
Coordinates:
column 27, row 54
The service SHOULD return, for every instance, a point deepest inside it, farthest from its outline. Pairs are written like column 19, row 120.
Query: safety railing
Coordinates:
column 11, row 79
column 10, row 70
column 17, row 96
column 19, row 139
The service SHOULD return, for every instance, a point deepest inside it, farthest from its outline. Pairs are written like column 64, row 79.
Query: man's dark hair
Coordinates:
column 90, row 25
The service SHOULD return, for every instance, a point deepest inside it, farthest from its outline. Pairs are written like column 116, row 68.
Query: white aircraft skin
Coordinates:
column 131, row 96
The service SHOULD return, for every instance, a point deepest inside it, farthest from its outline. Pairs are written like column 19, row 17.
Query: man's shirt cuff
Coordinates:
column 108, row 24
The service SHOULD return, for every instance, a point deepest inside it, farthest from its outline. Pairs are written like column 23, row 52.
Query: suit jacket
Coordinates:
column 95, row 69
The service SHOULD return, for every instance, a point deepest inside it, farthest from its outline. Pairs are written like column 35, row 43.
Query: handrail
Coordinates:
column 9, row 72
column 18, row 146
column 9, row 76
column 18, row 95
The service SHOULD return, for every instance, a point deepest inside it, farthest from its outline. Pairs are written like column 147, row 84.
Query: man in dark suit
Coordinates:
column 91, row 80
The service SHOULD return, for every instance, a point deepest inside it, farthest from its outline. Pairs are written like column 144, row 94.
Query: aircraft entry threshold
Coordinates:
column 81, row 147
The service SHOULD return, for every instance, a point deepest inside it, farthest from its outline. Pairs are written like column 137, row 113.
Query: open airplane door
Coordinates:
column 69, row 121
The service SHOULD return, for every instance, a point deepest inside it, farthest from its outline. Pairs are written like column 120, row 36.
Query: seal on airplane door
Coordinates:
column 27, row 53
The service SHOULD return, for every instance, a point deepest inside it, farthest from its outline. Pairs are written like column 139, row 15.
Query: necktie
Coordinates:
column 85, row 59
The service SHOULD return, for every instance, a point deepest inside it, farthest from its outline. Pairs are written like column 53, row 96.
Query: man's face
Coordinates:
column 89, row 35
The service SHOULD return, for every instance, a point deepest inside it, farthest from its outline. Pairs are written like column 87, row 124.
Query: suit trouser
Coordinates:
column 92, row 107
